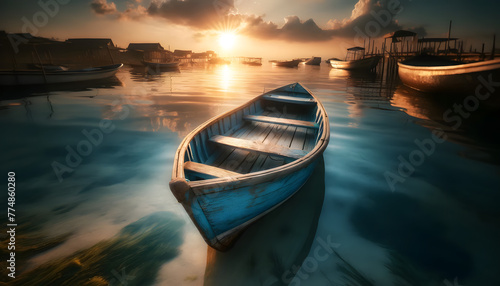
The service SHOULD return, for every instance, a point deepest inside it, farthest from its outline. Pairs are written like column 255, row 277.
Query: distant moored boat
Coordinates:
column 288, row 64
column 437, row 74
column 252, row 61
column 53, row 74
column 355, row 60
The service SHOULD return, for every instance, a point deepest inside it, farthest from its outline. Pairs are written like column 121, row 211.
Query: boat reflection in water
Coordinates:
column 141, row 73
column 21, row 91
column 469, row 127
column 273, row 248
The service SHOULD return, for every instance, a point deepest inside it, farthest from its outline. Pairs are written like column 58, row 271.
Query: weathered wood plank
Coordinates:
column 290, row 99
column 233, row 161
column 258, row 147
column 281, row 121
column 199, row 148
column 273, row 138
column 285, row 140
column 265, row 137
column 207, row 171
column 310, row 141
column 219, row 155
column 299, row 138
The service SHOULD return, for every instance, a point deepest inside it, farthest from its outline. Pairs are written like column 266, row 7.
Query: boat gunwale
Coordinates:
column 358, row 60
column 359, row 64
column 203, row 186
column 93, row 70
column 456, row 69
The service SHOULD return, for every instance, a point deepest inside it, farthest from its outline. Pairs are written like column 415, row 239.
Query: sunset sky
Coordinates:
column 264, row 28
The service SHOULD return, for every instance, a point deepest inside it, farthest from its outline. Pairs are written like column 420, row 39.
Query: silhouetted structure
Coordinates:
column 137, row 53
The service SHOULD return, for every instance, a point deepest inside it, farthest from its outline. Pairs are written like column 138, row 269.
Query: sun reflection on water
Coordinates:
column 226, row 75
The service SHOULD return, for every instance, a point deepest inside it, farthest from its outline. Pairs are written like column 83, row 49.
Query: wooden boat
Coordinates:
column 54, row 75
column 355, row 60
column 315, row 61
column 288, row 64
column 240, row 165
column 162, row 65
column 437, row 74
column 361, row 64
column 252, row 61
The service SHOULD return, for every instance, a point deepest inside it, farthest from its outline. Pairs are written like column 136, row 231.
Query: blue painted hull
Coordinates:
column 243, row 203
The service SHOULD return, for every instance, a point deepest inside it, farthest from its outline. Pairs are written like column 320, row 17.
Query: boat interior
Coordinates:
column 430, row 60
column 274, row 130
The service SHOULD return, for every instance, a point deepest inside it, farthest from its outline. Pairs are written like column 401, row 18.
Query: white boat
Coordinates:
column 355, row 60
column 56, row 75
column 252, row 61
column 288, row 64
column 437, row 74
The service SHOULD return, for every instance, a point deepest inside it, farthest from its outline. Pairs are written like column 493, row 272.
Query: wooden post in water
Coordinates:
column 492, row 57
column 448, row 42
column 41, row 64
column 383, row 58
column 368, row 50
column 460, row 50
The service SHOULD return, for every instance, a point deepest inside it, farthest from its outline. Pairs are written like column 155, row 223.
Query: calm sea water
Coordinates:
column 390, row 203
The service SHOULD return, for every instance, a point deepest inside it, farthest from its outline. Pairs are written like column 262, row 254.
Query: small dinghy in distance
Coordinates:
column 238, row 166
column 440, row 75
column 355, row 60
column 287, row 64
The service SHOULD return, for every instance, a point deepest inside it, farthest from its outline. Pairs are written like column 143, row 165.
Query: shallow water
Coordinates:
column 109, row 216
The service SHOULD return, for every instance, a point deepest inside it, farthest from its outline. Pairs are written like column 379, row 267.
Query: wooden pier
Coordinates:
column 401, row 45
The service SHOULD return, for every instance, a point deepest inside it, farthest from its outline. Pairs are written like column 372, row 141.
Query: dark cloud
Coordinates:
column 293, row 29
column 202, row 14
column 101, row 7
column 421, row 31
column 369, row 18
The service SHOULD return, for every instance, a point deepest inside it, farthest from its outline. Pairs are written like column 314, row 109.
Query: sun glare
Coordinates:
column 227, row 40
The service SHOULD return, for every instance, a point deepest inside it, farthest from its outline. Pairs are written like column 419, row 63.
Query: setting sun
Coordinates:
column 227, row 40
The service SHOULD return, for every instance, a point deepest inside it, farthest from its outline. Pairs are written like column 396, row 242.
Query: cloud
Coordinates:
column 369, row 18
column 101, row 7
column 420, row 30
column 134, row 12
column 201, row 14
column 293, row 29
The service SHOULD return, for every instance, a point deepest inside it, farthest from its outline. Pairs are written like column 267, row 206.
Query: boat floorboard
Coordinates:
column 246, row 161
